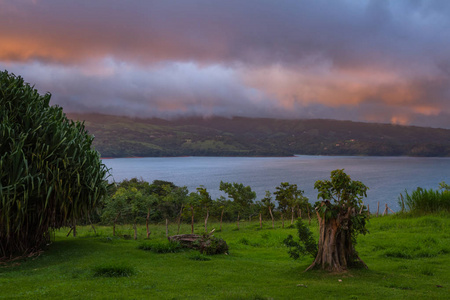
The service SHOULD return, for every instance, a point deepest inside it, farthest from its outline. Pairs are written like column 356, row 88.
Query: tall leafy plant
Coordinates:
column 50, row 175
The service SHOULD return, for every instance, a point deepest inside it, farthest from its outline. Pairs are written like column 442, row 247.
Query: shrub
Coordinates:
column 306, row 245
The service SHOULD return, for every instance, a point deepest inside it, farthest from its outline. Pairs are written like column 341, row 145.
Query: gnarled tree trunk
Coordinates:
column 336, row 251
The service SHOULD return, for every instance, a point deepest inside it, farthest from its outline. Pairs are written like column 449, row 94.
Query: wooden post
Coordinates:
column 221, row 217
column 167, row 228
column 378, row 208
column 192, row 220
column 260, row 221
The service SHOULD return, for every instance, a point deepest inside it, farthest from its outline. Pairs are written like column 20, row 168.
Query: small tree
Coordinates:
column 288, row 197
column 221, row 203
column 193, row 202
column 172, row 203
column 342, row 216
column 242, row 195
column 205, row 203
column 127, row 205
column 268, row 204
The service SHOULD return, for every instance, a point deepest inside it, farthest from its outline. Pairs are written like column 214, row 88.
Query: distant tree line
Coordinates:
column 136, row 201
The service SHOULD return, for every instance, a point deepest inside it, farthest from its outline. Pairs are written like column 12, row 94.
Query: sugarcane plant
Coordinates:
column 50, row 175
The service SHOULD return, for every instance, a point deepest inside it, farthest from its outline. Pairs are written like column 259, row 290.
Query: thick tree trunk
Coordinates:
column 336, row 252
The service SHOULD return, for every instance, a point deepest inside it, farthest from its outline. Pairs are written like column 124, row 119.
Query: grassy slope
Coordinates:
column 407, row 258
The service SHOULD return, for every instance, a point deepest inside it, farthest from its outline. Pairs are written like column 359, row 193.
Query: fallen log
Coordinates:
column 206, row 243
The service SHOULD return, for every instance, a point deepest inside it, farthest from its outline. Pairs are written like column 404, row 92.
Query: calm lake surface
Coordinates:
column 386, row 177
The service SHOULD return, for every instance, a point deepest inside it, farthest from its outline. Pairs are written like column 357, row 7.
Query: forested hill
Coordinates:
column 123, row 137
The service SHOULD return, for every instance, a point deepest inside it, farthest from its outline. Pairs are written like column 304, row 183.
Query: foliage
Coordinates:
column 241, row 195
column 306, row 244
column 49, row 173
column 345, row 194
column 444, row 186
column 289, row 197
column 427, row 201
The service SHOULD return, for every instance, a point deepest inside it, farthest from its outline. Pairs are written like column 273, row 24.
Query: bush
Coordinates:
column 306, row 245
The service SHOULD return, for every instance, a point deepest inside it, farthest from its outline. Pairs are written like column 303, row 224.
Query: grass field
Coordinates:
column 408, row 258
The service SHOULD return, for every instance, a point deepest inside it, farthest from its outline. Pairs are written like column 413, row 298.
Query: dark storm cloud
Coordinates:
column 256, row 57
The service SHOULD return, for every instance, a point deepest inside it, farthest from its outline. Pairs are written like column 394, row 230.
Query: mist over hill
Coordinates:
column 117, row 136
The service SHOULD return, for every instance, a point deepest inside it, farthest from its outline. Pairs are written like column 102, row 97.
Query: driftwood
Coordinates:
column 206, row 243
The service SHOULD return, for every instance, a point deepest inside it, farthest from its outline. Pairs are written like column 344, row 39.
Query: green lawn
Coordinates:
column 408, row 257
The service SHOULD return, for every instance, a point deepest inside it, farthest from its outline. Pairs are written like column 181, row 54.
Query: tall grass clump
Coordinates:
column 426, row 201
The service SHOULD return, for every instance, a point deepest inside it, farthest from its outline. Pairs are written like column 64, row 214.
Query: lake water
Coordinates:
column 386, row 177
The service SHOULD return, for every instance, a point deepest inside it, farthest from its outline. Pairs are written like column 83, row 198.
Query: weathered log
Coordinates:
column 207, row 243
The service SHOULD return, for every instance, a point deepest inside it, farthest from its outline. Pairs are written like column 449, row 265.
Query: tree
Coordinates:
column 288, row 196
column 205, row 203
column 221, row 204
column 342, row 216
column 242, row 195
column 267, row 201
column 193, row 202
column 171, row 203
column 50, row 175
column 149, row 196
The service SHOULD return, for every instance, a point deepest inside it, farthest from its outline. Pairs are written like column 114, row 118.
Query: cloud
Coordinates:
column 288, row 58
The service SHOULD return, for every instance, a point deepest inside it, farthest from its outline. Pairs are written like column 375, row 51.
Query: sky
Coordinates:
column 361, row 60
